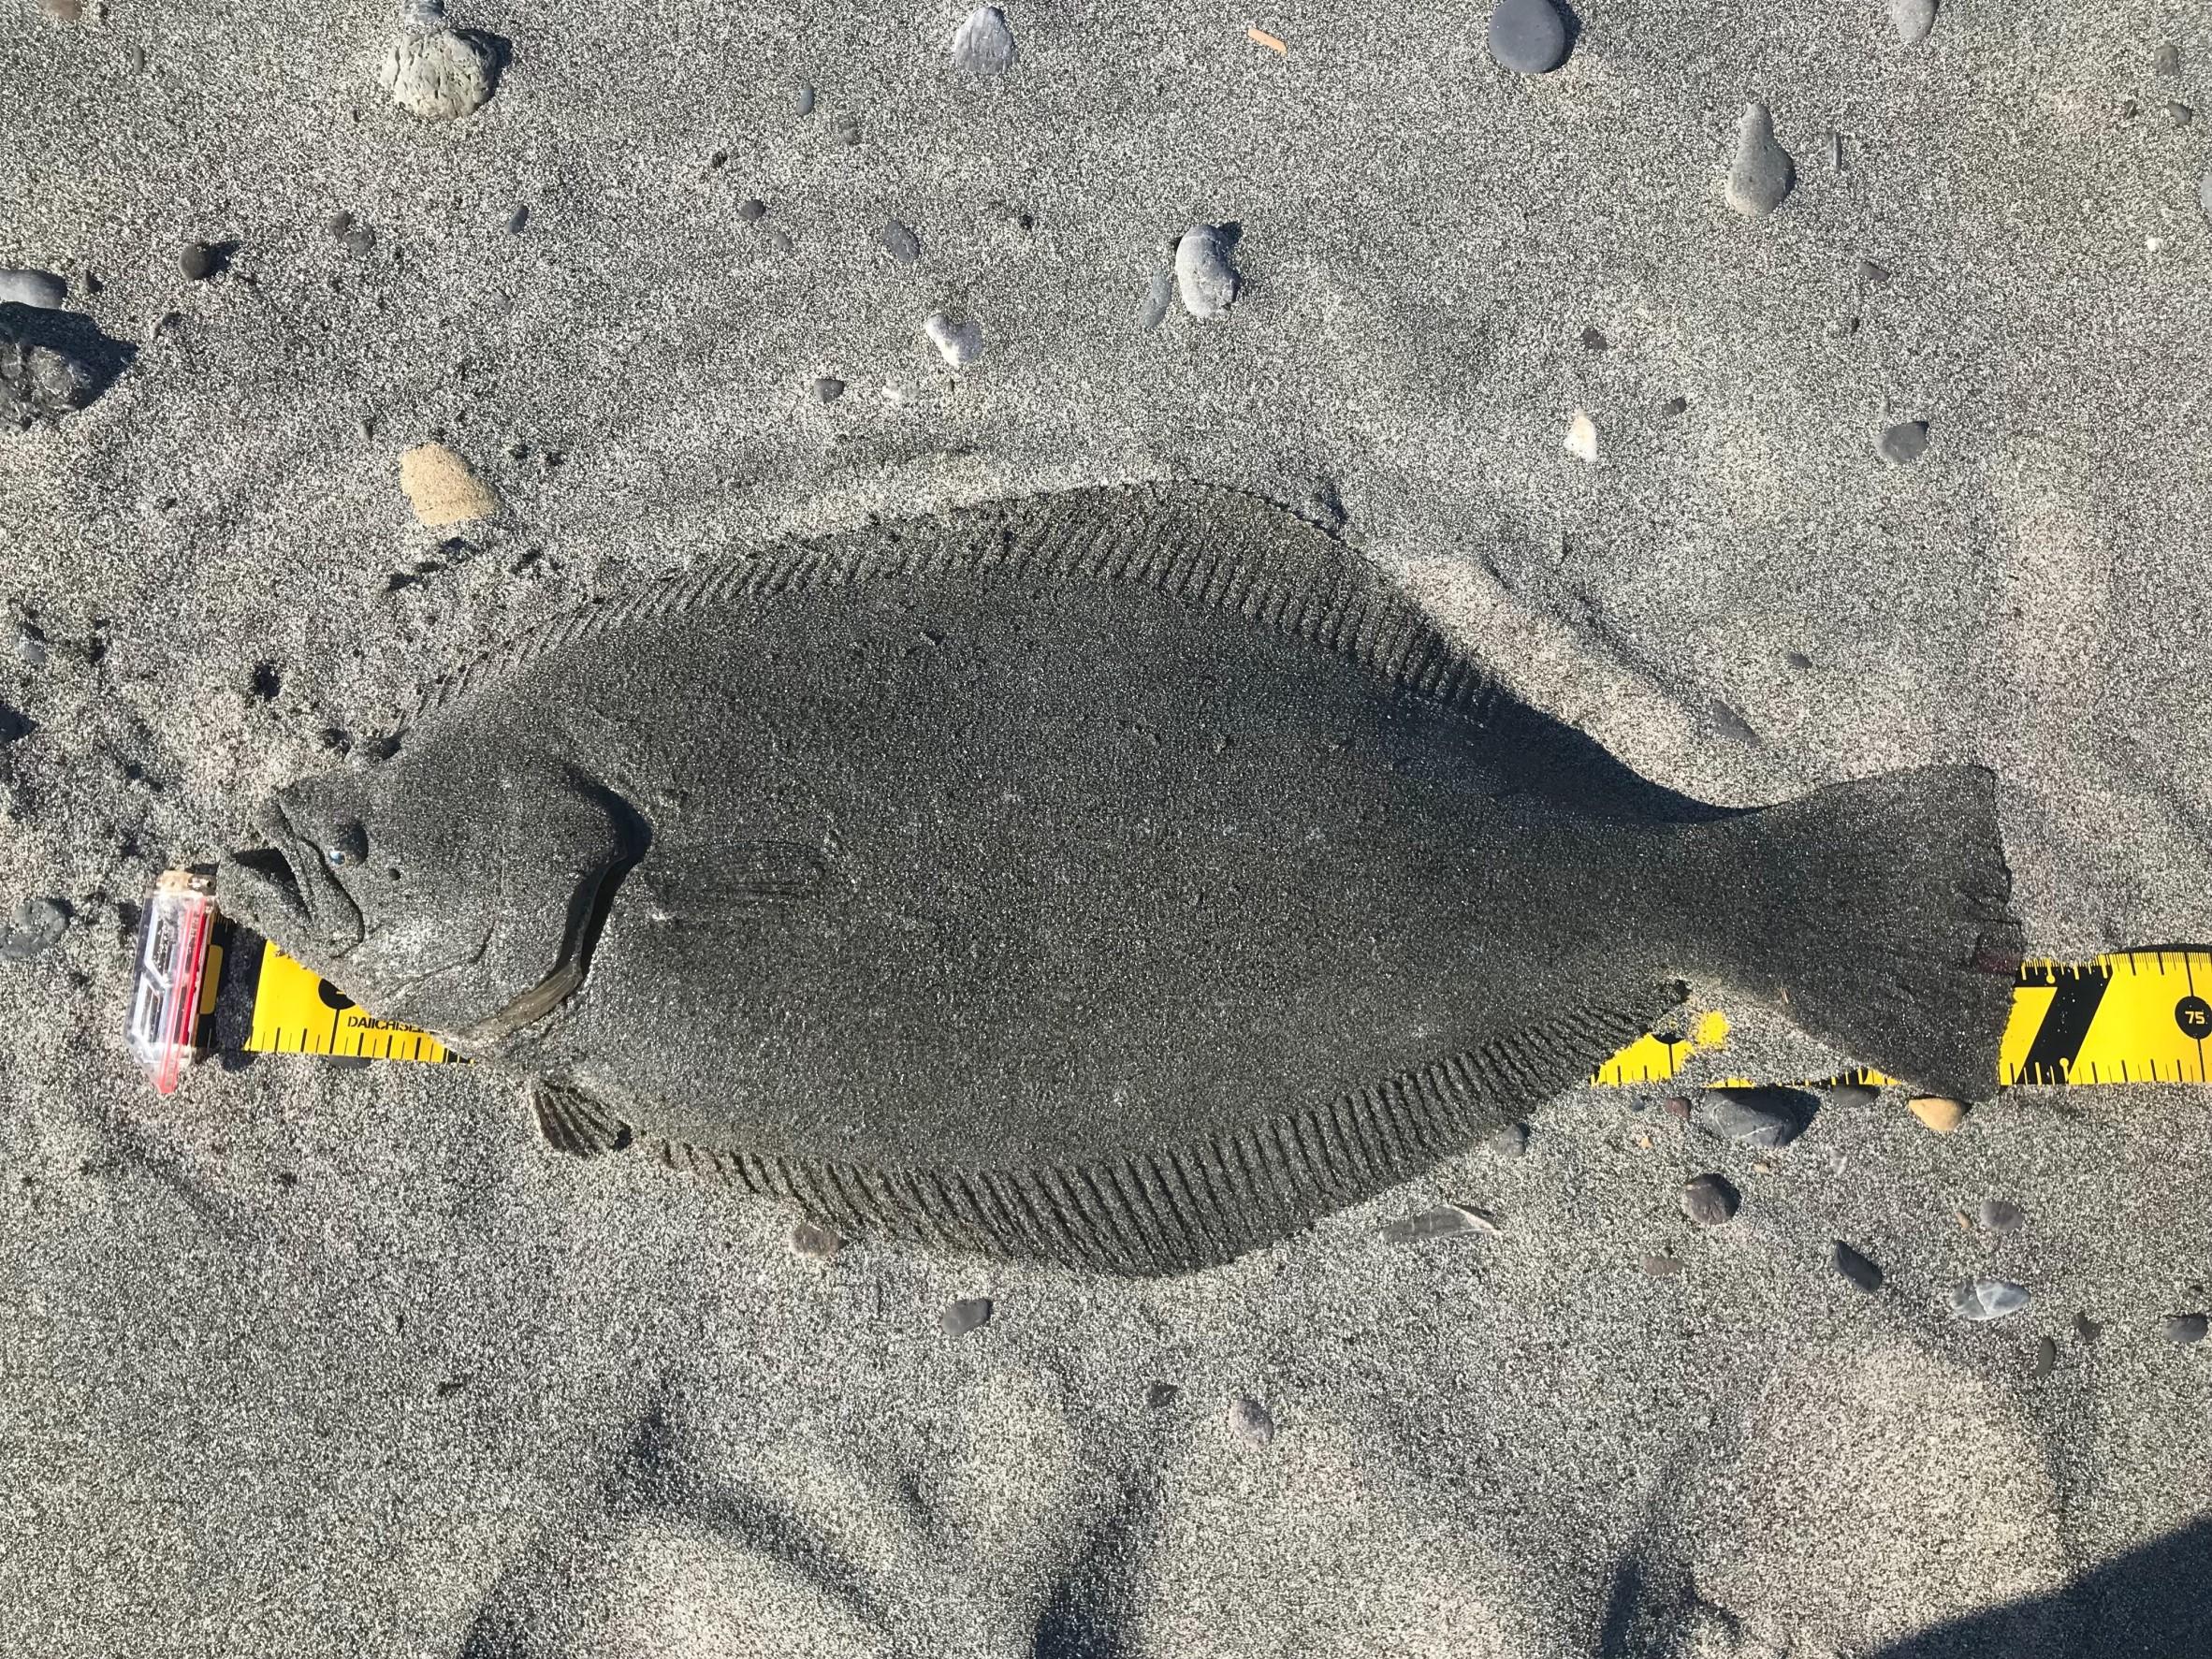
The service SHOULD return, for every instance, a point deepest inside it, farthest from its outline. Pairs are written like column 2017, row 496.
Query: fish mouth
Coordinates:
column 283, row 890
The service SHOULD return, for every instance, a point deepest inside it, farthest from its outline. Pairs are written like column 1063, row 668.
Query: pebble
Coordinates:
column 1661, row 1266
column 1710, row 1200
column 198, row 262
column 2180, row 114
column 519, row 219
column 803, row 101
column 2187, row 1330
column 1852, row 1096
column 1509, row 1142
column 968, row 1313
column 1250, row 1421
column 1161, row 1395
column 41, row 290
column 1913, row 19
column 1858, row 1269
column 1581, row 439
column 1528, row 36
column 1760, row 176
column 38, row 383
column 39, row 926
column 1204, row 274
column 958, row 344
column 2046, row 1358
column 2086, row 1330
column 1800, row 662
column 814, row 1241
column 983, row 44
column 1905, row 442
column 358, row 241
column 1445, row 1221
column 1872, row 273
column 900, row 242
column 2205, row 195
column 1593, row 340
column 1759, row 1117
column 441, row 488
column 1675, row 407
column 752, row 210
column 845, row 131
column 1940, row 1113
column 828, row 388
column 1152, row 310
column 30, row 645
column 1677, row 1107
column 436, row 73
column 1982, row 1299
column 2000, row 1215
column 2166, row 60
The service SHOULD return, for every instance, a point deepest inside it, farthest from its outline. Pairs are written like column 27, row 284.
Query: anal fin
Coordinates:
column 573, row 1121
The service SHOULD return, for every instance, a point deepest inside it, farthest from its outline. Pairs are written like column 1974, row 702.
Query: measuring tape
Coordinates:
column 2132, row 1016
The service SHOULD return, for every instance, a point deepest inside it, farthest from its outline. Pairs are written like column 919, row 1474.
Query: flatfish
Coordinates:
column 1125, row 877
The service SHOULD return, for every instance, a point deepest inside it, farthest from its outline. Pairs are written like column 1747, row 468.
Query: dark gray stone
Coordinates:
column 802, row 101
column 828, row 388
column 1872, row 273
column 969, row 1313
column 1250, row 1421
column 1761, row 175
column 900, row 242
column 752, row 210
column 814, row 1241
column 1593, row 340
column 1904, row 442
column 2086, row 1330
column 1710, row 1200
column 1528, row 36
column 1798, row 660
column 2000, row 1215
column 1764, row 1118
column 2187, row 1330
column 2046, row 1358
column 39, row 927
column 1509, row 1142
column 198, row 262
column 1161, row 1395
column 1852, row 1096
column 1857, row 1269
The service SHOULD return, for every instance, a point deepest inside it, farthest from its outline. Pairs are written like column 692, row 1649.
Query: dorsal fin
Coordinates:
column 1287, row 573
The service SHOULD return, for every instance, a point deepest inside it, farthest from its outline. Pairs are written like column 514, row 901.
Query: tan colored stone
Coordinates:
column 1940, row 1113
column 442, row 490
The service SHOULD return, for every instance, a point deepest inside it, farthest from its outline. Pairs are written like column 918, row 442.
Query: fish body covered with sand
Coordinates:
column 1126, row 877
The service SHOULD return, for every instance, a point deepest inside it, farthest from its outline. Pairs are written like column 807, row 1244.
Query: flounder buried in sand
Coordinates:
column 1126, row 877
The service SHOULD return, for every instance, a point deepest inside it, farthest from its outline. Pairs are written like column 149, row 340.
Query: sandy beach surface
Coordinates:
column 1911, row 466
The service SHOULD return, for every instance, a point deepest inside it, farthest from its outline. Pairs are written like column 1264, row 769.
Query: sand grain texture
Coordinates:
column 315, row 1361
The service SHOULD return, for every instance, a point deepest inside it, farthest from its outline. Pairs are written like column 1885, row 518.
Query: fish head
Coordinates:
column 454, row 887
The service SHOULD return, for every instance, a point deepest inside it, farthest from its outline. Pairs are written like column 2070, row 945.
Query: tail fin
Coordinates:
column 1875, row 914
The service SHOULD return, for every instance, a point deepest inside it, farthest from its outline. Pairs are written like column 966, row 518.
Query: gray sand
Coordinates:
column 304, row 1361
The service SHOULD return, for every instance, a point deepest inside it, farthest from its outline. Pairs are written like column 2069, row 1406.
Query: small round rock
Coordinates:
column 1912, row 18
column 1904, row 442
column 752, row 210
column 436, row 73
column 1203, row 275
column 1161, row 1395
column 814, row 1241
column 968, row 1313
column 1761, row 175
column 2184, row 1329
column 2046, row 1358
column 1710, row 1200
column 828, row 388
column 1528, row 36
column 1940, row 1113
column 1661, row 1266
column 900, row 242
column 959, row 344
column 198, row 262
column 1510, row 1142
column 2000, row 1215
column 1250, row 1421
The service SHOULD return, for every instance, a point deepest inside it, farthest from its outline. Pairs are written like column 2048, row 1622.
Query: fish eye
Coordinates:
column 348, row 844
